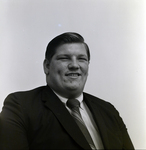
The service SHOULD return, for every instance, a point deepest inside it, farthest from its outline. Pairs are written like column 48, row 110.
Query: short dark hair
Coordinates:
column 65, row 38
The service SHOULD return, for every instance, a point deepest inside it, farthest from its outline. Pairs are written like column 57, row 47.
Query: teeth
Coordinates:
column 73, row 74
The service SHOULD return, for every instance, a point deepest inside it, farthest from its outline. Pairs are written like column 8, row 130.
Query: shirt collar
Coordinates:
column 64, row 100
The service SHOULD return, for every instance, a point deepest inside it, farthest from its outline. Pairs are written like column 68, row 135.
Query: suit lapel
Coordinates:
column 64, row 117
column 96, row 112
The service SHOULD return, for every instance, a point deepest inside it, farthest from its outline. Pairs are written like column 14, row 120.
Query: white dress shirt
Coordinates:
column 88, row 120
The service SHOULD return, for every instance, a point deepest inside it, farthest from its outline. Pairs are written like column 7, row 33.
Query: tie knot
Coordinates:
column 72, row 103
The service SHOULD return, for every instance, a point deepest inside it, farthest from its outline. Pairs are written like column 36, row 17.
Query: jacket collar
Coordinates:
column 57, row 107
column 110, row 139
column 96, row 112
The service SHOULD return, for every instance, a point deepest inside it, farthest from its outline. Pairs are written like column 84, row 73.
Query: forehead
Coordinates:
column 71, row 48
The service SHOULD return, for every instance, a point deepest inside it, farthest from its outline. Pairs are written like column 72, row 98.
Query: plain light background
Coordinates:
column 115, row 31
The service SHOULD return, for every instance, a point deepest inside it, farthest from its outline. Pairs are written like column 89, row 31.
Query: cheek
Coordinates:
column 57, row 68
column 60, row 71
column 85, row 69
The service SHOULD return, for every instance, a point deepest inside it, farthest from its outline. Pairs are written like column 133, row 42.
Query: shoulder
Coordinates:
column 101, row 104
column 95, row 99
column 105, row 108
column 28, row 92
column 23, row 102
column 24, row 96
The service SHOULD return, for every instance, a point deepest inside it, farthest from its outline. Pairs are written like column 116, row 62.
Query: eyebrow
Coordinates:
column 80, row 55
column 60, row 55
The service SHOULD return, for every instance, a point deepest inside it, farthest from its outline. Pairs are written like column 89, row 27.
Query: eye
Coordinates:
column 83, row 59
column 63, row 58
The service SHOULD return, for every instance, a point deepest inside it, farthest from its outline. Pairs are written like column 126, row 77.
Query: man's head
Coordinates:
column 65, row 38
column 66, row 64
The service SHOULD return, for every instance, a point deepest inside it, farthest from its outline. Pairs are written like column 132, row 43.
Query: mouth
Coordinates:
column 73, row 75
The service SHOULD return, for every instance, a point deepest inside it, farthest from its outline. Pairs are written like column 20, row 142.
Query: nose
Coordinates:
column 73, row 64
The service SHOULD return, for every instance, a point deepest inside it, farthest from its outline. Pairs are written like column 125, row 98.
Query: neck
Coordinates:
column 68, row 95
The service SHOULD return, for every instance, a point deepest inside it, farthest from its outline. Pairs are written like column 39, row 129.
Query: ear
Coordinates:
column 46, row 66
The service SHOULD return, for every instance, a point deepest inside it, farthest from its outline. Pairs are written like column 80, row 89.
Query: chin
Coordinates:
column 74, row 89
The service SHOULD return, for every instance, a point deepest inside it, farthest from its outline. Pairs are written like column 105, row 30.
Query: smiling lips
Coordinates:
column 73, row 75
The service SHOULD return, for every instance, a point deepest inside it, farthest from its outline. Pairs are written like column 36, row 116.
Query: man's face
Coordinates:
column 68, row 70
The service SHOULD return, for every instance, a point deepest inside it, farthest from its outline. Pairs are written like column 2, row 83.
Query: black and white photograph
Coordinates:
column 72, row 74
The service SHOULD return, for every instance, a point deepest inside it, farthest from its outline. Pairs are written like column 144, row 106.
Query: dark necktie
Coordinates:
column 74, row 105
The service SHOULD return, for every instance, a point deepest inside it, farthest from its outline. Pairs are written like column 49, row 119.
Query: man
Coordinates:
column 43, row 119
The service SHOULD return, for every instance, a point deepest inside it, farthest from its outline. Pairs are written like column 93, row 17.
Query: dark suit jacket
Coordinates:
column 37, row 119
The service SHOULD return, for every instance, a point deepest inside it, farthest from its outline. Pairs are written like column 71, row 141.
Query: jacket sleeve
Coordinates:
column 127, row 143
column 13, row 133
